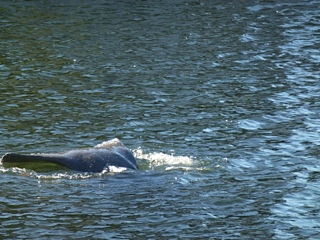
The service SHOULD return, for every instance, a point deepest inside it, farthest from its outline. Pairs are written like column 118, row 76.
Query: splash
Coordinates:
column 163, row 160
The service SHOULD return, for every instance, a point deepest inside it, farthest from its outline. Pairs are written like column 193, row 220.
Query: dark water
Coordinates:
column 218, row 100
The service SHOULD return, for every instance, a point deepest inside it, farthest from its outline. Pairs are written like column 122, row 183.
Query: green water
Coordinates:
column 218, row 100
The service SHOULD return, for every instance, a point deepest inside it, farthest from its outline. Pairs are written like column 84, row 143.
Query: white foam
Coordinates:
column 114, row 169
column 160, row 159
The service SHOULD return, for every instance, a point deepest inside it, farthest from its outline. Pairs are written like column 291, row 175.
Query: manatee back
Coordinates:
column 109, row 153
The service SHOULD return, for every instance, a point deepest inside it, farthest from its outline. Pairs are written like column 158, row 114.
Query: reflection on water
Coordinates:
column 217, row 99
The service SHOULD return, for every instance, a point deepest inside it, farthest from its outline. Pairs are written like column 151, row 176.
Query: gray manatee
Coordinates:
column 96, row 159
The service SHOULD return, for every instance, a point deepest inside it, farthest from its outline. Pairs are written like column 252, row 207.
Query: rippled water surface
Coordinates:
column 218, row 100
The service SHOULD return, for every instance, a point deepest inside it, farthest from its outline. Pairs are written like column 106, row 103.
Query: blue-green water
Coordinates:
column 218, row 100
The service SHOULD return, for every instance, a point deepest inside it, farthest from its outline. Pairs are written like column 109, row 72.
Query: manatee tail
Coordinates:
column 45, row 162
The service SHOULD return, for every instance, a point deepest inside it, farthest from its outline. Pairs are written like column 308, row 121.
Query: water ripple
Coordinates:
column 217, row 99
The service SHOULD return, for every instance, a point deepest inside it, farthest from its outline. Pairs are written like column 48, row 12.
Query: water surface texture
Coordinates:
column 218, row 100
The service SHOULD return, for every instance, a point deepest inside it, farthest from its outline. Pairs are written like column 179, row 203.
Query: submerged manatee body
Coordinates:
column 96, row 159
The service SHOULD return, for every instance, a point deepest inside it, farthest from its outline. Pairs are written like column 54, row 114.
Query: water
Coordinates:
column 218, row 100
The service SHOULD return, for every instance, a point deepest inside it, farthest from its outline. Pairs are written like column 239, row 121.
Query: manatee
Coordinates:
column 95, row 159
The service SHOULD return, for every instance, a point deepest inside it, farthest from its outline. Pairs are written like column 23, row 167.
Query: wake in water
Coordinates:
column 159, row 160
column 61, row 174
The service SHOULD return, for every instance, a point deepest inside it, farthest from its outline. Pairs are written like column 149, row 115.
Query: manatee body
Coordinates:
column 96, row 159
